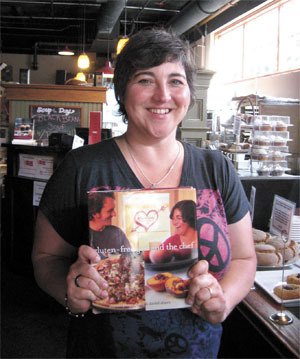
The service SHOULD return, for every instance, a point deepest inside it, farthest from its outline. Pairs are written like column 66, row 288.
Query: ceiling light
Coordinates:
column 83, row 61
column 107, row 69
column 121, row 43
column 80, row 76
column 66, row 52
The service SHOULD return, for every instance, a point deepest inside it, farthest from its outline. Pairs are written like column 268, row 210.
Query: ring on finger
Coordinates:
column 76, row 280
column 210, row 291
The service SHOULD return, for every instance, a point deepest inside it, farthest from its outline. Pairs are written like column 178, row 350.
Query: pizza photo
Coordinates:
column 124, row 274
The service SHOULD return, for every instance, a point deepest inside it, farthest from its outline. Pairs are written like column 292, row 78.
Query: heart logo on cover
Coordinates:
column 146, row 220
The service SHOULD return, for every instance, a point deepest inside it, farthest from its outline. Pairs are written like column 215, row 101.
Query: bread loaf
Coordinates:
column 259, row 236
column 272, row 250
column 267, row 255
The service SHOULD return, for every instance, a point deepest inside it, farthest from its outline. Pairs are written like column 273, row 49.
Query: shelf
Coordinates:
column 61, row 93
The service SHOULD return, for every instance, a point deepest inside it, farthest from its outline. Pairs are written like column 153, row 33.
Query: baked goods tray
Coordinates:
column 267, row 280
column 228, row 150
column 287, row 265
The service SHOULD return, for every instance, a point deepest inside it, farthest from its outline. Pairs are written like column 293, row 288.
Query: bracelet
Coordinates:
column 71, row 314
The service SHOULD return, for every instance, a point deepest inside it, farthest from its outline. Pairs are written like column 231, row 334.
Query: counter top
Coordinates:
column 244, row 174
column 284, row 337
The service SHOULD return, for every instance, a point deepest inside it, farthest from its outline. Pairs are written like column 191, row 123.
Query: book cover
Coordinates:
column 147, row 241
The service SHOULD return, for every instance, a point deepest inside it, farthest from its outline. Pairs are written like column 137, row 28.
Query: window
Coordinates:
column 289, row 36
column 262, row 43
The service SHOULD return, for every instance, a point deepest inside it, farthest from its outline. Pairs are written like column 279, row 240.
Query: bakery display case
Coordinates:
column 258, row 105
column 262, row 138
column 270, row 145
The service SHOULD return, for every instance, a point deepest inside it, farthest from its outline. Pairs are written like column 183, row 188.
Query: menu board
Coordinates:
column 53, row 119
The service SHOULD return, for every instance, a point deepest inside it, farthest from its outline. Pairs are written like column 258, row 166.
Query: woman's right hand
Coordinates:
column 89, row 285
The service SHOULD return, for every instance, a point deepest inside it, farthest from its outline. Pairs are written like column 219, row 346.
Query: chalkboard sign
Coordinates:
column 53, row 119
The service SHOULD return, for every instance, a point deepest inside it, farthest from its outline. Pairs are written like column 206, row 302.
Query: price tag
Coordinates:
column 282, row 214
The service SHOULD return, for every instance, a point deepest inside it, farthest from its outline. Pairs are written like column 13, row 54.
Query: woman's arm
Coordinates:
column 214, row 300
column 56, row 264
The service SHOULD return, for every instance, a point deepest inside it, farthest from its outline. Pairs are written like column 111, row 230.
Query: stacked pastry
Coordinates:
column 272, row 251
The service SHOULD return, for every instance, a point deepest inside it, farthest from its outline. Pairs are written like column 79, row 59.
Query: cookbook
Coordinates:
column 147, row 241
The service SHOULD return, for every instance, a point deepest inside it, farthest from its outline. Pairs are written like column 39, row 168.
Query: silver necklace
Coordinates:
column 154, row 184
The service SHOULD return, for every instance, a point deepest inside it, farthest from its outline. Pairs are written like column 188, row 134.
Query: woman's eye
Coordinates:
column 176, row 82
column 145, row 81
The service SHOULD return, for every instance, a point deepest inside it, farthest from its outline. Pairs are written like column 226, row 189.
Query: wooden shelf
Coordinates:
column 62, row 93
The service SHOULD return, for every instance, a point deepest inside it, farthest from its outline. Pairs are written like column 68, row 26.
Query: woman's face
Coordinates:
column 157, row 100
column 177, row 221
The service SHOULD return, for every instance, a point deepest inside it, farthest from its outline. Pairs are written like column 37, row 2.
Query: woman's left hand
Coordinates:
column 205, row 295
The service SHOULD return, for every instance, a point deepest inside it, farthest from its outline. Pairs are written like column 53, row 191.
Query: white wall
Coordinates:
column 285, row 85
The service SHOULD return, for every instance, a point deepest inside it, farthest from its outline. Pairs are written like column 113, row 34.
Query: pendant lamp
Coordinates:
column 66, row 52
column 80, row 76
column 83, row 61
column 107, row 69
column 122, row 41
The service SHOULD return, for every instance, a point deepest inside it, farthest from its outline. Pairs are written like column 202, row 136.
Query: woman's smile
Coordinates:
column 160, row 111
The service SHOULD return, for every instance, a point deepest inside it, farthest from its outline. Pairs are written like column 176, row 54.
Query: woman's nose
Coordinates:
column 162, row 92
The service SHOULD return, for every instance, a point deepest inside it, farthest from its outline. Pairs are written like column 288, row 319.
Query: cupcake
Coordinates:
column 261, row 141
column 278, row 141
column 277, row 170
column 259, row 154
column 265, row 126
column 263, row 171
column 280, row 126
column 276, row 156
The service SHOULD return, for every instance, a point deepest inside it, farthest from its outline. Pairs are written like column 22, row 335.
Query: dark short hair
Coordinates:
column 96, row 202
column 187, row 207
column 149, row 48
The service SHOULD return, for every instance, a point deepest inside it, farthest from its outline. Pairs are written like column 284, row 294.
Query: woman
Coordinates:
column 154, row 88
column 183, row 219
column 183, row 243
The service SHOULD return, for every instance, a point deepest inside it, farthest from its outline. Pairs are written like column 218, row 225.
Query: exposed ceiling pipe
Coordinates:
column 151, row 9
column 61, row 3
column 46, row 18
column 110, row 13
column 39, row 29
column 194, row 13
column 58, row 44
column 107, row 24
column 218, row 12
